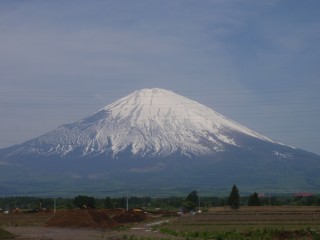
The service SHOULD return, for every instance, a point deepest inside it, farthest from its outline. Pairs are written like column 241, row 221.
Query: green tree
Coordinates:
column 234, row 198
column 84, row 201
column 191, row 201
column 108, row 203
column 254, row 200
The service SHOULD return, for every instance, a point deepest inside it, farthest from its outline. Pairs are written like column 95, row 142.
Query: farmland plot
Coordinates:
column 273, row 222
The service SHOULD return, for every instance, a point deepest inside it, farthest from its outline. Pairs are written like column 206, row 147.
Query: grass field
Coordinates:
column 5, row 234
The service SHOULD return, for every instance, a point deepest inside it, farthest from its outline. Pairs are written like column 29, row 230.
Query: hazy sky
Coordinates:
column 256, row 62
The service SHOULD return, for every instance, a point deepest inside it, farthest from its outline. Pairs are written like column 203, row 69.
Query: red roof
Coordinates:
column 303, row 194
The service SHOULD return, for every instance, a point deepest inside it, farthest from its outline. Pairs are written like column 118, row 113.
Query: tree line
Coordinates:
column 188, row 203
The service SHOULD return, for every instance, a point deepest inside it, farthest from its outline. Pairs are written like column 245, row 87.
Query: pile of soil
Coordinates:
column 130, row 217
column 88, row 218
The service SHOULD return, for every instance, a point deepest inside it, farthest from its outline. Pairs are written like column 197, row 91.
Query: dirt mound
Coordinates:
column 130, row 217
column 89, row 218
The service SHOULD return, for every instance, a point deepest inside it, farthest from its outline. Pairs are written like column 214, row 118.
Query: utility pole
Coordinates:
column 54, row 205
column 269, row 199
column 127, row 203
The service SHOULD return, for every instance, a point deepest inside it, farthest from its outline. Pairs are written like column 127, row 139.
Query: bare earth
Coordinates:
column 54, row 233
column 48, row 226
column 82, row 224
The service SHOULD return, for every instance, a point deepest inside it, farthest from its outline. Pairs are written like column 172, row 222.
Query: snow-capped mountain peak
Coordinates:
column 155, row 139
column 152, row 122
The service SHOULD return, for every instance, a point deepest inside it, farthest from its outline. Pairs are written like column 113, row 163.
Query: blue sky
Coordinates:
column 256, row 62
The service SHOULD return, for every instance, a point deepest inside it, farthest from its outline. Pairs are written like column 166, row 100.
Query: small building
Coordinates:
column 303, row 195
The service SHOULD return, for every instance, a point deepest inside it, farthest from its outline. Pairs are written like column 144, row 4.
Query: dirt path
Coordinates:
column 145, row 230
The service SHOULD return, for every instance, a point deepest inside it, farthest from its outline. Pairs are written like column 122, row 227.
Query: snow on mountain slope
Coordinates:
column 154, row 139
column 153, row 122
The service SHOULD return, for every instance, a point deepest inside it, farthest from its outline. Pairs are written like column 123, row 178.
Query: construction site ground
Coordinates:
column 83, row 224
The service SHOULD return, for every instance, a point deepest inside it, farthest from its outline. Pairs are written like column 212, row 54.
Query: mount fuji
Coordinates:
column 155, row 140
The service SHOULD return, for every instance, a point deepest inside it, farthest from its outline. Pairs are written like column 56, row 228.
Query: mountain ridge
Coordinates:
column 155, row 139
column 150, row 120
